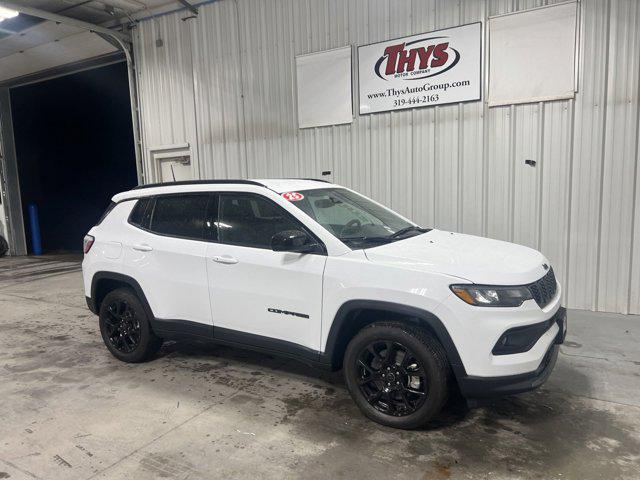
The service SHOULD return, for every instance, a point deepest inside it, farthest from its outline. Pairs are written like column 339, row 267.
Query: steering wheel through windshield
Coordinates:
column 352, row 227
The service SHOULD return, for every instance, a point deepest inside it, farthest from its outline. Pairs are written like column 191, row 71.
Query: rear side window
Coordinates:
column 180, row 215
column 140, row 213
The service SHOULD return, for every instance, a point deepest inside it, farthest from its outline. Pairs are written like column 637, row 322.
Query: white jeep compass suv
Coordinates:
column 315, row 271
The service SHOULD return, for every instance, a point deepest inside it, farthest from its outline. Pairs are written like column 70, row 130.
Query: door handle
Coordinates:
column 226, row 259
column 143, row 247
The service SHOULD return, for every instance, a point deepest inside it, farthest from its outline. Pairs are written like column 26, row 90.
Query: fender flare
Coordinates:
column 127, row 280
column 419, row 317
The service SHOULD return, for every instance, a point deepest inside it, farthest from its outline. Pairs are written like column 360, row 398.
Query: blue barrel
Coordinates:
column 36, row 241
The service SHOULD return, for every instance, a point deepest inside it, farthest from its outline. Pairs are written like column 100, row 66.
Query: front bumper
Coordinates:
column 473, row 387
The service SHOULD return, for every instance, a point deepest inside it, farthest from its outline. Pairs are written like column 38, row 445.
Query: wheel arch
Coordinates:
column 104, row 282
column 354, row 315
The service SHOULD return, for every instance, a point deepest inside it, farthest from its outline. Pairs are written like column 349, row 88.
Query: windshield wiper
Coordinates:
column 364, row 239
column 411, row 228
column 387, row 238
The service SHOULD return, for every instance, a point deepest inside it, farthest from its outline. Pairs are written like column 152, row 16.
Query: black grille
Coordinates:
column 544, row 289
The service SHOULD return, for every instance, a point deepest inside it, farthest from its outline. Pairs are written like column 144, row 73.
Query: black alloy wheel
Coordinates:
column 391, row 378
column 122, row 326
column 397, row 374
column 125, row 328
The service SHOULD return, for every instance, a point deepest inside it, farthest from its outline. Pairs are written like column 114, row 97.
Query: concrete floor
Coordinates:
column 68, row 410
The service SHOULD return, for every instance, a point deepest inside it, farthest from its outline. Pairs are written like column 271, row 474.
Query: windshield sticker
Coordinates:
column 293, row 196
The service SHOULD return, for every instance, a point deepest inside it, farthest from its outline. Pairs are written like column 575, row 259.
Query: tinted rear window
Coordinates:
column 180, row 215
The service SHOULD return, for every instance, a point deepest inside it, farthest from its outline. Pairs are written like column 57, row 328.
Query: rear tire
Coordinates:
column 125, row 327
column 405, row 388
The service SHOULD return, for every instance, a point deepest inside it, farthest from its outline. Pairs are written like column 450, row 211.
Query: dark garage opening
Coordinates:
column 75, row 150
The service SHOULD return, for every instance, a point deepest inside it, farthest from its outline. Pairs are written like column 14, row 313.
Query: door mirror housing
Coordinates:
column 294, row 241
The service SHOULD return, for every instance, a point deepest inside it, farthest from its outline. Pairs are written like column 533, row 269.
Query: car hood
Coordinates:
column 475, row 259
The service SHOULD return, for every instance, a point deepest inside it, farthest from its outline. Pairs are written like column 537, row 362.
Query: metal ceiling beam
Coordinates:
column 188, row 6
column 35, row 12
column 126, row 5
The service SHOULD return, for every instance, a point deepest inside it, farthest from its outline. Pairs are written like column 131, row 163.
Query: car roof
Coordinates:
column 278, row 185
column 282, row 185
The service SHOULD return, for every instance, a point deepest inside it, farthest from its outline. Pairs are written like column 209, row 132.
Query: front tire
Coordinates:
column 125, row 327
column 396, row 374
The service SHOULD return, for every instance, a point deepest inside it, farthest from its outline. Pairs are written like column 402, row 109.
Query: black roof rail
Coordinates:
column 297, row 178
column 316, row 180
column 199, row 182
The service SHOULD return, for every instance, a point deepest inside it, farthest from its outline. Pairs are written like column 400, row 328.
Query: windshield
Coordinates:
column 354, row 219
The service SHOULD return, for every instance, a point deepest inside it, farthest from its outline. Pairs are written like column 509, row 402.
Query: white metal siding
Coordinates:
column 3, row 196
column 225, row 83
column 166, row 86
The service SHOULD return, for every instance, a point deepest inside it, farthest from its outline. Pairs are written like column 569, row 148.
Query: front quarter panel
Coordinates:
column 473, row 331
column 353, row 277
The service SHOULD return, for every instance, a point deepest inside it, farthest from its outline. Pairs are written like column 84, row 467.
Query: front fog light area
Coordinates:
column 491, row 296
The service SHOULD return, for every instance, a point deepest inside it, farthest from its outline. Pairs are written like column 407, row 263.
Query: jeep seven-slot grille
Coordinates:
column 544, row 289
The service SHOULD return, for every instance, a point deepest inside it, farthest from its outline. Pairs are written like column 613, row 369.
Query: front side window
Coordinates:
column 180, row 215
column 251, row 220
column 354, row 219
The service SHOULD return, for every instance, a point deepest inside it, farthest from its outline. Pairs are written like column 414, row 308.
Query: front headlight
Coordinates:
column 488, row 296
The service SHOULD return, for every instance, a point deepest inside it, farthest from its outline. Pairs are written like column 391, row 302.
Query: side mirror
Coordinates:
column 294, row 241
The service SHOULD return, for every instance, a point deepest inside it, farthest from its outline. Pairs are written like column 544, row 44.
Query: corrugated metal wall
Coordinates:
column 225, row 83
column 3, row 197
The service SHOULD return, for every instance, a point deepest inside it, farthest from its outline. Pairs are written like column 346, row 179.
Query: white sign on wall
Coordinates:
column 324, row 88
column 533, row 55
column 422, row 70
